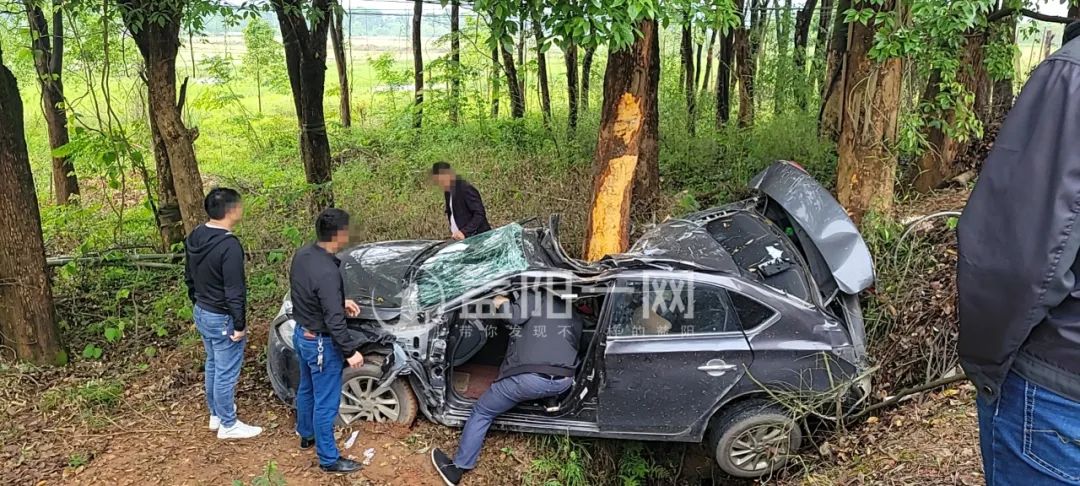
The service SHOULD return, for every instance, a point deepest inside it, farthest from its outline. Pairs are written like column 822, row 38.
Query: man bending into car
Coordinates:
column 540, row 362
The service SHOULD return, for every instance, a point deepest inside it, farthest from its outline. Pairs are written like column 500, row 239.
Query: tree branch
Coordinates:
column 1026, row 12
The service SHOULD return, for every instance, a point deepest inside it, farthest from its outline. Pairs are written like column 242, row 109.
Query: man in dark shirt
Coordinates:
column 322, row 339
column 540, row 362
column 214, row 273
column 464, row 208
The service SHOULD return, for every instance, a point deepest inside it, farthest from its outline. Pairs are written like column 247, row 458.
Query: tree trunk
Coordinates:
column 542, row 74
column 517, row 99
column 1005, row 33
column 866, row 169
column 521, row 63
column 337, row 36
column 170, row 224
column 27, row 320
column 625, row 166
column 418, row 64
column 937, row 164
column 708, row 63
column 783, row 83
column 570, row 55
column 832, row 97
column 802, row 37
column 723, row 79
column 159, row 41
column 49, row 63
column 586, row 73
column 455, row 61
column 305, row 59
column 745, row 67
column 496, row 79
column 821, row 48
column 690, row 84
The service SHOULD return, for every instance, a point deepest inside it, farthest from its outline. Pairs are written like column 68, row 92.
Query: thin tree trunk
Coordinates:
column 866, row 169
column 1005, row 33
column 821, row 47
column 708, row 63
column 687, row 50
column 570, row 55
column 27, row 319
column 496, row 79
column 832, row 97
column 517, row 100
column 418, row 64
column 783, row 83
column 305, row 59
column 586, row 74
column 159, row 41
column 802, row 38
column 697, row 66
column 522, row 71
column 49, row 63
column 626, row 162
column 455, row 61
column 938, row 164
column 723, row 79
column 542, row 74
column 337, row 36
column 745, row 69
column 258, row 87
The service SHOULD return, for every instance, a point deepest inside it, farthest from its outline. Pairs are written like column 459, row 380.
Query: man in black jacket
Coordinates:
column 1019, row 294
column 540, row 362
column 322, row 339
column 464, row 208
column 214, row 273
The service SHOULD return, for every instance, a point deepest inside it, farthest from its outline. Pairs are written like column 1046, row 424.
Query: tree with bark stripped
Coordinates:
column 870, row 90
column 27, row 320
column 155, row 27
column 626, row 162
column 49, row 62
column 305, row 59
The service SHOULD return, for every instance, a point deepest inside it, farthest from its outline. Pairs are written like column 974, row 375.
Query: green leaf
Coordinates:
column 112, row 334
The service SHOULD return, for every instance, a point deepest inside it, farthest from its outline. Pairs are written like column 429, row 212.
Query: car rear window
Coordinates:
column 751, row 312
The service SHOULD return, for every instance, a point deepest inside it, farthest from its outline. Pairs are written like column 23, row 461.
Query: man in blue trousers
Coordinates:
column 322, row 339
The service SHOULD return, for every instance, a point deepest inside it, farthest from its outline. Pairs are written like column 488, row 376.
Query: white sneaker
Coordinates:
column 239, row 430
column 215, row 422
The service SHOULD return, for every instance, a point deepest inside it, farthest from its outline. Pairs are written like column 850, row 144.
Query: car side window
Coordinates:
column 669, row 307
column 751, row 312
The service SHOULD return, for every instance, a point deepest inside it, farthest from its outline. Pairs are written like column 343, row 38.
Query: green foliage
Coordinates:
column 271, row 476
column 565, row 463
column 94, row 395
column 264, row 60
column 636, row 469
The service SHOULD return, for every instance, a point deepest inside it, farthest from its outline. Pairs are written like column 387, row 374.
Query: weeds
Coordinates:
column 564, row 463
column 92, row 396
column 270, row 476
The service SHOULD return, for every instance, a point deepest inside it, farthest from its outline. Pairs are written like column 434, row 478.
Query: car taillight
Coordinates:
column 797, row 166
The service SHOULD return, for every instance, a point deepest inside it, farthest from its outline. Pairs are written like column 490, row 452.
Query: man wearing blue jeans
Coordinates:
column 1017, row 278
column 540, row 362
column 214, row 273
column 322, row 339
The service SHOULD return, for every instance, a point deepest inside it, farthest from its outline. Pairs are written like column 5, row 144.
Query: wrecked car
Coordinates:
column 698, row 333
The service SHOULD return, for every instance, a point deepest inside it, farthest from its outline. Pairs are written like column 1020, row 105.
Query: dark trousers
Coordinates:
column 319, row 393
column 501, row 397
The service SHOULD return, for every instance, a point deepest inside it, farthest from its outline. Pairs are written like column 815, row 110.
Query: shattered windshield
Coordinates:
column 373, row 272
column 470, row 263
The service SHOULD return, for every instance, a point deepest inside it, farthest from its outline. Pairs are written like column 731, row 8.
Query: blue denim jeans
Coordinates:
column 501, row 397
column 224, row 357
column 1030, row 436
column 319, row 393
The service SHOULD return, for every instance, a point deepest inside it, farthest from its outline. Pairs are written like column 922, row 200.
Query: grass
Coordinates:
column 93, row 396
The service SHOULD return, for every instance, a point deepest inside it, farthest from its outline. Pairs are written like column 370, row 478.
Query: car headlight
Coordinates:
column 285, row 331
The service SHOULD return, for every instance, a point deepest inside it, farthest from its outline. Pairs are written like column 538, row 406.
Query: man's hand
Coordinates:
column 499, row 300
column 237, row 336
column 458, row 236
column 352, row 309
column 356, row 360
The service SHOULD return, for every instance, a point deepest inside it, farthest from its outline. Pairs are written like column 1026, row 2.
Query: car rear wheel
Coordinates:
column 754, row 438
column 360, row 403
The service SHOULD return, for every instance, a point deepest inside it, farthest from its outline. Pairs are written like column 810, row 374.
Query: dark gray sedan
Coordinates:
column 707, row 330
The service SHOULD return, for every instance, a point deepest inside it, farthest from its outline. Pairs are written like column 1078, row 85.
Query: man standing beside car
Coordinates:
column 540, row 362
column 214, row 274
column 463, row 206
column 1017, row 279
column 322, row 339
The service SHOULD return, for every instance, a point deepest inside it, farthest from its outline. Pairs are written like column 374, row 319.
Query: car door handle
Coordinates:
column 717, row 367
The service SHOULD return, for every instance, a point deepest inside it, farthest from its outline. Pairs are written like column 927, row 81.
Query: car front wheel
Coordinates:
column 359, row 400
column 754, row 438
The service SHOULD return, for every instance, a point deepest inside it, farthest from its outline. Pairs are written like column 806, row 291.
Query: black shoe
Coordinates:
column 306, row 443
column 449, row 472
column 342, row 466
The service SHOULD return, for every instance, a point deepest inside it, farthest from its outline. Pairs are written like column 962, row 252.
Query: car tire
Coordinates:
column 395, row 405
column 754, row 438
